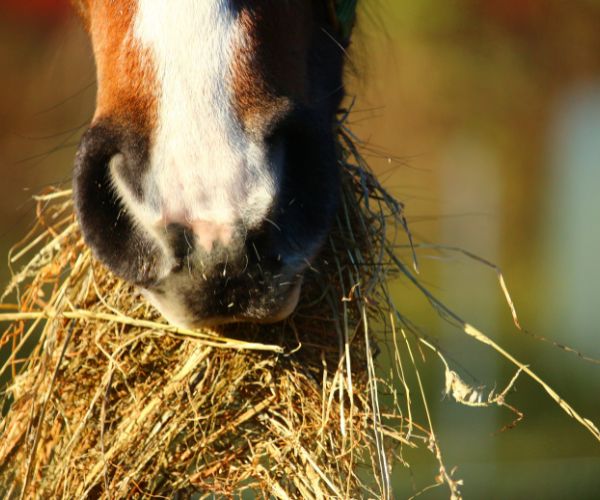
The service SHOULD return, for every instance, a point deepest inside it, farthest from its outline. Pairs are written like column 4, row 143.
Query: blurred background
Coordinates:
column 483, row 117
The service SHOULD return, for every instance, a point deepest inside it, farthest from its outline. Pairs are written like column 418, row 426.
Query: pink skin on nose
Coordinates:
column 208, row 233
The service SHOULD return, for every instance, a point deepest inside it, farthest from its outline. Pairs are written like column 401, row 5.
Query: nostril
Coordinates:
column 107, row 226
column 126, row 175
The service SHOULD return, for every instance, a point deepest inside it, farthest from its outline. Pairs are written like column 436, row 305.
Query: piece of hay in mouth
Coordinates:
column 114, row 403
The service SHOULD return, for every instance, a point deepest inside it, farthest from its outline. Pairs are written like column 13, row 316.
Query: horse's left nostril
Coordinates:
column 107, row 226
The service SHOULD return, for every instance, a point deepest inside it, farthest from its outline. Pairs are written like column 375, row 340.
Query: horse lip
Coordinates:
column 286, row 309
column 288, row 306
column 185, row 319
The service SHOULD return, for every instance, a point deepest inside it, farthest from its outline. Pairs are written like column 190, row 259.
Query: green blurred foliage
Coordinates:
column 494, row 110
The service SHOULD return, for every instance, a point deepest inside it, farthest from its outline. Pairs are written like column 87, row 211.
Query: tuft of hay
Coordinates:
column 105, row 400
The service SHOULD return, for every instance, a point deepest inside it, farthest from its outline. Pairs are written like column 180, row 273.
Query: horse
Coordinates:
column 209, row 176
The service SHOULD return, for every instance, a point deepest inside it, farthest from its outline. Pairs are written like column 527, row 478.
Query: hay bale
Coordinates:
column 106, row 400
column 113, row 402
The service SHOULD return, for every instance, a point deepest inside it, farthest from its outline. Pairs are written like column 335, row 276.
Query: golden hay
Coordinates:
column 112, row 402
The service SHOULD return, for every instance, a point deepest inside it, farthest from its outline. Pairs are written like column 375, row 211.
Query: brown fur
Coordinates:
column 126, row 76
column 268, row 72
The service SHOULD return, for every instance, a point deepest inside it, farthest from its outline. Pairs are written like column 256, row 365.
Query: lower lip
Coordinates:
column 284, row 311
column 287, row 308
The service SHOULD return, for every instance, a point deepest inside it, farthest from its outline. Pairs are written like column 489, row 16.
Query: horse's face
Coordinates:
column 209, row 175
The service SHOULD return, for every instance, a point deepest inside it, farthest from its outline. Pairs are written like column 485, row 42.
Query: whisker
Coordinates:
column 338, row 44
column 273, row 224
column 67, row 99
column 54, row 135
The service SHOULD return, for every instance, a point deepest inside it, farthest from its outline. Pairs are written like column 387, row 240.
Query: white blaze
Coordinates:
column 203, row 166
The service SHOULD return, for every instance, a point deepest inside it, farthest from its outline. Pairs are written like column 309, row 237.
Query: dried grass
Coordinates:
column 114, row 403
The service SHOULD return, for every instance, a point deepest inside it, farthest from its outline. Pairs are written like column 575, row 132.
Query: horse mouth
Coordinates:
column 288, row 307
column 192, row 309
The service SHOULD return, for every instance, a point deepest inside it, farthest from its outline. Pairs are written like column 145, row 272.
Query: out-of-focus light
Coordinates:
column 46, row 12
column 513, row 13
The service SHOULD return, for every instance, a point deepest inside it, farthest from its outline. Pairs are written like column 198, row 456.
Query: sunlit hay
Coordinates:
column 113, row 403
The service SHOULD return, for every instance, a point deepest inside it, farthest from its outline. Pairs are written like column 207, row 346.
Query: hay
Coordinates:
column 112, row 402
